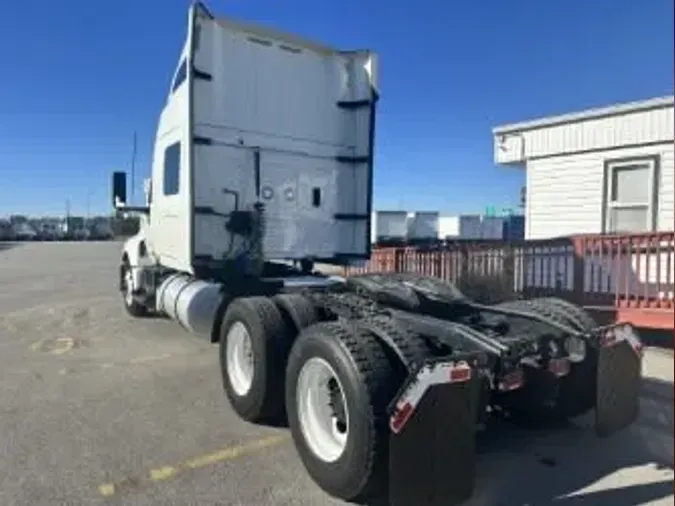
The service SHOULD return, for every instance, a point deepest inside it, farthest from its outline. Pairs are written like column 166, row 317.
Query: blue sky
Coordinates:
column 80, row 76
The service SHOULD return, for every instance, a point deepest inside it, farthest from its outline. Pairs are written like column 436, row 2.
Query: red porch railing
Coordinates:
column 633, row 274
column 630, row 275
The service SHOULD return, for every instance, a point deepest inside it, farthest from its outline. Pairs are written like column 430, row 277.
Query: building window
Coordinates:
column 630, row 195
column 181, row 75
column 172, row 169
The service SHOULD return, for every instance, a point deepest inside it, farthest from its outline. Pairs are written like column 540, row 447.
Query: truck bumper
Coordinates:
column 432, row 449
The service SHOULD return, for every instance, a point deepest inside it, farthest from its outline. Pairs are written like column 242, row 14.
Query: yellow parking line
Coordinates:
column 107, row 489
column 61, row 345
column 65, row 344
column 166, row 472
column 152, row 358
column 36, row 345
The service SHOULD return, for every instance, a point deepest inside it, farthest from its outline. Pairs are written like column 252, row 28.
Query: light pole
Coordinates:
column 133, row 169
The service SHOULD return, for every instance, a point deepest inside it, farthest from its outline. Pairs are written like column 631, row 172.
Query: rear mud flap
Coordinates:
column 432, row 460
column 619, row 379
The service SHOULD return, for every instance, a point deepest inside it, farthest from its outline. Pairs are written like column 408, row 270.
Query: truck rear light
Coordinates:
column 511, row 381
column 559, row 366
column 400, row 417
column 440, row 373
column 460, row 373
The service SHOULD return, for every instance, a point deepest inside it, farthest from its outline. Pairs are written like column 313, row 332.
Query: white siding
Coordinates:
column 666, row 217
column 642, row 127
column 509, row 148
column 564, row 194
column 645, row 122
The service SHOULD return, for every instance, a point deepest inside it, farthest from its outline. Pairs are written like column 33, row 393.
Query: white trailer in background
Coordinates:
column 264, row 155
column 391, row 226
column 448, row 227
column 480, row 227
column 423, row 226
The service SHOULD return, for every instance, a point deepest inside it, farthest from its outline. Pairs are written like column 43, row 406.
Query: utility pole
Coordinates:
column 133, row 169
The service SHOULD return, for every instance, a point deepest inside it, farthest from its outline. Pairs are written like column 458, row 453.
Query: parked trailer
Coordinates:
column 514, row 228
column 476, row 227
column 448, row 227
column 384, row 379
column 391, row 227
column 423, row 225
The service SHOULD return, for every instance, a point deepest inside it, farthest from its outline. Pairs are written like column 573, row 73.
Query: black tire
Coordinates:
column 539, row 307
column 369, row 380
column 550, row 311
column 270, row 344
column 300, row 311
column 133, row 307
column 576, row 316
column 575, row 393
column 386, row 290
column 440, row 287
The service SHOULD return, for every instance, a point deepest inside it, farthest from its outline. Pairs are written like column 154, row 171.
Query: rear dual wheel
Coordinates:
column 256, row 335
column 339, row 382
column 254, row 344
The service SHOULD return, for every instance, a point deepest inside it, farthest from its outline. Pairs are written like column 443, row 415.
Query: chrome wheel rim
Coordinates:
column 322, row 410
column 239, row 358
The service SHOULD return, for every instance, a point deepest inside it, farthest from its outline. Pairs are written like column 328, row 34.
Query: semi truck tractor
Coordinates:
column 262, row 167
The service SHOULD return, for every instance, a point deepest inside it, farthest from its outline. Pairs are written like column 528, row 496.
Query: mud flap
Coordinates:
column 432, row 456
column 619, row 379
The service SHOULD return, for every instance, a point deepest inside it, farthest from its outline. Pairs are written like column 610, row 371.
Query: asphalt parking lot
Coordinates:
column 97, row 408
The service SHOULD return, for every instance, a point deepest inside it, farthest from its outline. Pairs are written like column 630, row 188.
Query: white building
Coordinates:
column 598, row 171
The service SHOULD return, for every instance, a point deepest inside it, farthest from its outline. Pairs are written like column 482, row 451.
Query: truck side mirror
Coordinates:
column 119, row 189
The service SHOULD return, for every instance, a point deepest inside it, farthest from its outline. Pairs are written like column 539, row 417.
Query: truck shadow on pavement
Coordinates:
column 553, row 466
column 658, row 338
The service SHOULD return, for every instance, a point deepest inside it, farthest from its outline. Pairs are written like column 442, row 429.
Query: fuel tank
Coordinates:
column 190, row 301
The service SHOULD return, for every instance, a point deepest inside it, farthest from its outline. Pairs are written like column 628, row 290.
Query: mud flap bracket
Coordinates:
column 619, row 379
column 432, row 455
